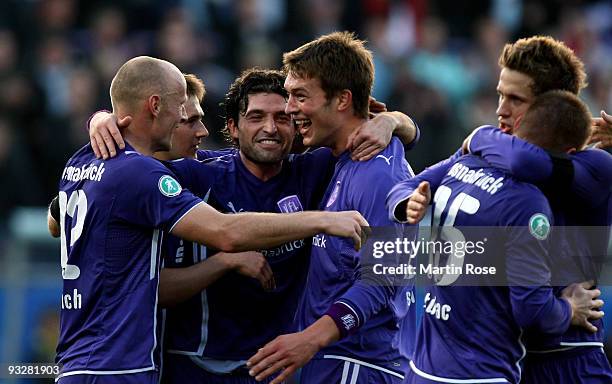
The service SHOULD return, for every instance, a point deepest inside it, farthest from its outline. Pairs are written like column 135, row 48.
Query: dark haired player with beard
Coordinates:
column 113, row 215
column 210, row 335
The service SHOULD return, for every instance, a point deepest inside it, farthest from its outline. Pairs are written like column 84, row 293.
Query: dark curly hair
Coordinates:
column 250, row 81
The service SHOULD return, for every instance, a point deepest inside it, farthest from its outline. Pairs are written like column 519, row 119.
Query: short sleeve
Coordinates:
column 152, row 196
column 197, row 176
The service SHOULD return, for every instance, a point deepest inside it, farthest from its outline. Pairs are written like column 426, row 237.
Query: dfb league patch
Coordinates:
column 168, row 186
column 539, row 226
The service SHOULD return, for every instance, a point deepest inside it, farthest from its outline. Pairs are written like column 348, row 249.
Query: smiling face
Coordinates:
column 515, row 97
column 264, row 130
column 311, row 112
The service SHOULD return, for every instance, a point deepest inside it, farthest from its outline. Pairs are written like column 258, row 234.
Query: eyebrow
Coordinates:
column 299, row 89
column 254, row 111
column 261, row 111
column 197, row 116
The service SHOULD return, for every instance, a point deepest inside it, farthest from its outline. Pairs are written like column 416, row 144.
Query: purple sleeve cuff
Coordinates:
column 346, row 318
column 417, row 136
column 92, row 115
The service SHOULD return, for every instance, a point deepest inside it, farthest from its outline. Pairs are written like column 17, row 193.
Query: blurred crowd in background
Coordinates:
column 436, row 60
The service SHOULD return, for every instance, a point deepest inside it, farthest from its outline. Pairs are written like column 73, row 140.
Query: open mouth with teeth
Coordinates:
column 302, row 125
column 268, row 141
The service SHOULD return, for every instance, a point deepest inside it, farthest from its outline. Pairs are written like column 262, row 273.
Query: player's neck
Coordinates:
column 138, row 135
column 344, row 131
column 263, row 171
column 166, row 156
column 141, row 145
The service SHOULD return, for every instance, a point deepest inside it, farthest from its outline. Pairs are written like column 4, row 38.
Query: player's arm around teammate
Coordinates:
column 179, row 284
column 246, row 231
column 601, row 133
column 365, row 143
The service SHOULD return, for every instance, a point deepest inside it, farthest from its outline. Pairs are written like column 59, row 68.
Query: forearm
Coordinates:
column 265, row 230
column 592, row 176
column 53, row 217
column 405, row 128
column 537, row 308
column 322, row 332
column 179, row 284
column 524, row 160
column 247, row 231
column 53, row 225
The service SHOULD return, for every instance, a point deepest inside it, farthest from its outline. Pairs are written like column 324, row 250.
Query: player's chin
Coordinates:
column 506, row 128
column 307, row 140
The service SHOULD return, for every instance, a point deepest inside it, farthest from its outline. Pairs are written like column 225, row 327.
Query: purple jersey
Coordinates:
column 580, row 252
column 474, row 332
column 113, row 216
column 378, row 313
column 234, row 317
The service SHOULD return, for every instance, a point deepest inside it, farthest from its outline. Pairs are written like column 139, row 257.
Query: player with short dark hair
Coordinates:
column 251, row 81
column 477, row 336
column 210, row 335
column 557, row 121
column 585, row 174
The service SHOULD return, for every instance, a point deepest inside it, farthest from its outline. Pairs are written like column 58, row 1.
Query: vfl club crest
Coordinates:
column 290, row 204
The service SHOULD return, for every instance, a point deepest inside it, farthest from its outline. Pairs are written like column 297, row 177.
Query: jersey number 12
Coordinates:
column 76, row 205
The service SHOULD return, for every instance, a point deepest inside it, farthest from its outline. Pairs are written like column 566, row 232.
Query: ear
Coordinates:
column 154, row 104
column 345, row 100
column 232, row 127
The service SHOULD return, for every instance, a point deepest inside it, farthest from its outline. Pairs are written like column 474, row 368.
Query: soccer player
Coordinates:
column 177, row 286
column 477, row 336
column 113, row 215
column 583, row 180
column 188, row 135
column 174, row 287
column 211, row 333
column 349, row 323
column 528, row 68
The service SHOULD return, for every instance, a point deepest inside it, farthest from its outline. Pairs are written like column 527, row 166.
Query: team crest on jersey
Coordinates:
column 168, row 186
column 539, row 226
column 334, row 195
column 290, row 204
